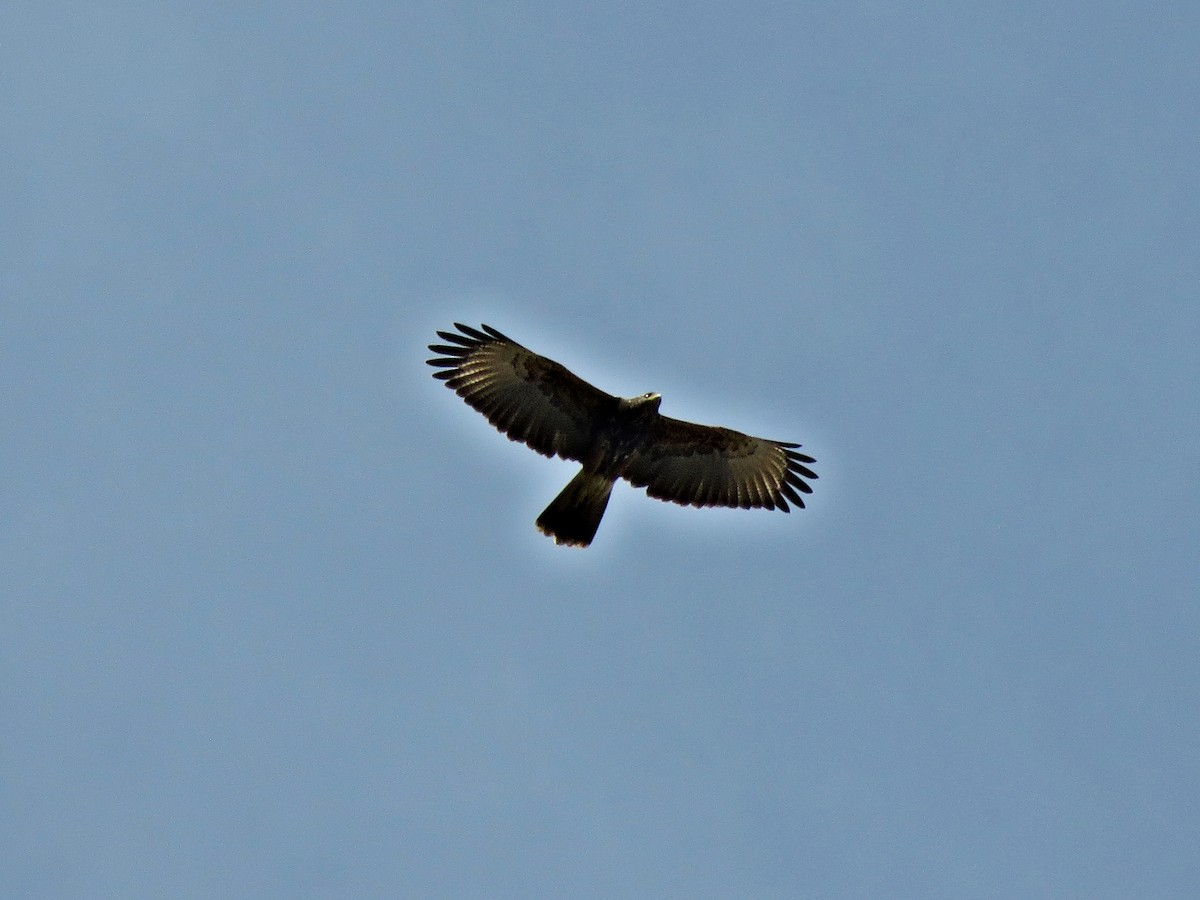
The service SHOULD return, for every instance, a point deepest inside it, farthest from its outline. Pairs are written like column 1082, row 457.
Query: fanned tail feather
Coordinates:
column 574, row 515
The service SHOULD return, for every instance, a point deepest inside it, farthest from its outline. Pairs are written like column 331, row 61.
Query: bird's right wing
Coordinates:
column 528, row 397
column 703, row 465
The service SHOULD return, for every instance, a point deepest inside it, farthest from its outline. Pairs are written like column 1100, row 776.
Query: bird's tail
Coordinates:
column 574, row 515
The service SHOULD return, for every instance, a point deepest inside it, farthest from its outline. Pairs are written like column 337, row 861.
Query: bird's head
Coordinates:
column 646, row 402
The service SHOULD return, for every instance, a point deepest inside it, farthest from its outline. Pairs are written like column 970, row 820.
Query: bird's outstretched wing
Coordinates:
column 528, row 397
column 702, row 465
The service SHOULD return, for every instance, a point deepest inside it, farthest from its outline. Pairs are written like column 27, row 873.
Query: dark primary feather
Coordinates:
column 530, row 398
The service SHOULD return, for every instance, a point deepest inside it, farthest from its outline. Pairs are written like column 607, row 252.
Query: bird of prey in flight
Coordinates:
column 542, row 404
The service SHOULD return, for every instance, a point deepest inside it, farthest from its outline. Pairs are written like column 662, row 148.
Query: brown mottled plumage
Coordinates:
column 540, row 403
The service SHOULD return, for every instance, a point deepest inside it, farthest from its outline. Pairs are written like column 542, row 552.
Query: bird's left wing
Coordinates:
column 530, row 398
column 703, row 465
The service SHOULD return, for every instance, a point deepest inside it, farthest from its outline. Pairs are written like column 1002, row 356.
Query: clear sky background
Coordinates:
column 276, row 619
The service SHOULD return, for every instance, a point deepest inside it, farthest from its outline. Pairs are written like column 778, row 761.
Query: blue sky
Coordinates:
column 277, row 621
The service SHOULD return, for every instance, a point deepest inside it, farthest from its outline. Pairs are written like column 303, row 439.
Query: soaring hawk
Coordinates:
column 540, row 403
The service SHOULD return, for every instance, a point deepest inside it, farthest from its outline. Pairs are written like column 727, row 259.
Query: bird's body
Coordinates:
column 535, row 400
column 619, row 435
